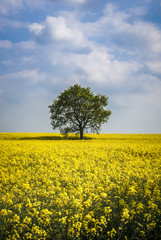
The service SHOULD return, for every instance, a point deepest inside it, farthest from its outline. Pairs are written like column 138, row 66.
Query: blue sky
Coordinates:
column 114, row 47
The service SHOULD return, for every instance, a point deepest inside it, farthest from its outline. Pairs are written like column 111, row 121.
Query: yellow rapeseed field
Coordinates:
column 106, row 186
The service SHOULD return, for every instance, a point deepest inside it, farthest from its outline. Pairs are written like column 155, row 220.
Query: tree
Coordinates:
column 77, row 109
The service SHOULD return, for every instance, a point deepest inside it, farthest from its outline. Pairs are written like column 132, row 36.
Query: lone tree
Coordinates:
column 77, row 109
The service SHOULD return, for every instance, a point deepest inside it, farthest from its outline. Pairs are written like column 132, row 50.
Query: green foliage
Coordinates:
column 77, row 109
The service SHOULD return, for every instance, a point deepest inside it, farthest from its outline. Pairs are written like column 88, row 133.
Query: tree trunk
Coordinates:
column 81, row 133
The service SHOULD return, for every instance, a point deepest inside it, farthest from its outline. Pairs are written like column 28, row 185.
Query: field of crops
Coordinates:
column 107, row 186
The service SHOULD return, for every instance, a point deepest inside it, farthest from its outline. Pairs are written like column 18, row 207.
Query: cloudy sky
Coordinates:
column 114, row 47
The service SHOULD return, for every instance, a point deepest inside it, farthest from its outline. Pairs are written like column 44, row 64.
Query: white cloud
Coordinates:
column 36, row 28
column 115, row 32
column 76, row 1
column 10, row 5
column 56, row 29
column 115, row 29
column 34, row 4
column 26, row 59
column 120, row 28
column 137, row 11
column 6, row 62
column 32, row 76
column 148, row 35
column 154, row 66
column 26, row 45
column 110, row 8
column 98, row 66
column 13, row 6
column 6, row 22
column 6, row 44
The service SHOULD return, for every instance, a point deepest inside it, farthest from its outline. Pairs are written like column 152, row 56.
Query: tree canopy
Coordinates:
column 78, row 109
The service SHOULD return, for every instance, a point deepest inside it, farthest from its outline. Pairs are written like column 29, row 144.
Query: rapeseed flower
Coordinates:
column 106, row 187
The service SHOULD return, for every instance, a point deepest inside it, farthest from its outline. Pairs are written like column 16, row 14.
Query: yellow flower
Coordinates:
column 125, row 214
column 27, row 220
column 103, row 195
column 16, row 218
column 70, row 189
column 4, row 212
